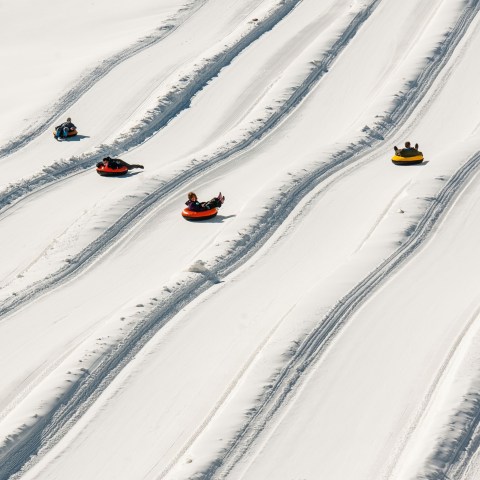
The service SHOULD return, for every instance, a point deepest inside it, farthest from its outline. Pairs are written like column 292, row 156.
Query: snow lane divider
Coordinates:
column 90, row 79
column 308, row 353
column 168, row 107
column 52, row 427
column 135, row 214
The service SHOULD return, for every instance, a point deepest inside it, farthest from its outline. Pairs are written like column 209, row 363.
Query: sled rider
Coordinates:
column 407, row 151
column 64, row 128
column 193, row 204
column 116, row 163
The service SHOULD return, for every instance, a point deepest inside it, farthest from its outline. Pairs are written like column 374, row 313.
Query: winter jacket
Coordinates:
column 68, row 125
column 195, row 206
column 409, row 152
column 116, row 163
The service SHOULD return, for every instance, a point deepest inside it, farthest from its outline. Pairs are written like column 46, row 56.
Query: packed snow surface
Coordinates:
column 325, row 324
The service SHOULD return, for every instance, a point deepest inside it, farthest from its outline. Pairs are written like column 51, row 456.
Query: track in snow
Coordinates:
column 272, row 218
column 287, row 382
column 91, row 78
column 168, row 107
column 78, row 399
column 135, row 214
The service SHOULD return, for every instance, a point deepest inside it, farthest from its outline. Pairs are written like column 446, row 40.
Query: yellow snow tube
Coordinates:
column 399, row 160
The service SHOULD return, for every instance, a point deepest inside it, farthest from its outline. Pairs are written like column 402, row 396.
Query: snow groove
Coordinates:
column 416, row 89
column 460, row 454
column 403, row 108
column 287, row 382
column 134, row 215
column 168, row 107
column 451, row 459
column 91, row 78
column 49, row 429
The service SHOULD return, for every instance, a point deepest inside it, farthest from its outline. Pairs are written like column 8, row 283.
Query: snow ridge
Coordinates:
column 135, row 214
column 89, row 79
column 452, row 455
column 457, row 457
column 77, row 400
column 284, row 386
column 416, row 89
column 168, row 107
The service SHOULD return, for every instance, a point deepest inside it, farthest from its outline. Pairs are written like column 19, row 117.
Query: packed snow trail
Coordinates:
column 315, row 344
column 287, row 383
column 374, row 135
column 167, row 106
column 88, row 80
column 196, row 169
column 187, row 174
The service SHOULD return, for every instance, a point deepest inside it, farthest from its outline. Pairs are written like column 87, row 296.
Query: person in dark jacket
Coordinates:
column 62, row 130
column 116, row 163
column 193, row 204
column 407, row 151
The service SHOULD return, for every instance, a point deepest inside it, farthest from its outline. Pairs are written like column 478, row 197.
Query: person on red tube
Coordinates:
column 116, row 163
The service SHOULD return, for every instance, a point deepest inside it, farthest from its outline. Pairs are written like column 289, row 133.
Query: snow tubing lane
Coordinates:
column 111, row 172
column 203, row 215
column 398, row 160
column 69, row 134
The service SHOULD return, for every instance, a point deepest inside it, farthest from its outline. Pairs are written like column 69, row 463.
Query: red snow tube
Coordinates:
column 203, row 215
column 111, row 172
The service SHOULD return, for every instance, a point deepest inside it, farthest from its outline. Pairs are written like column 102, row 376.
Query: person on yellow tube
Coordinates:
column 407, row 151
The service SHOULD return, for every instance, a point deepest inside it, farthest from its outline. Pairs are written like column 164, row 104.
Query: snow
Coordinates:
column 325, row 324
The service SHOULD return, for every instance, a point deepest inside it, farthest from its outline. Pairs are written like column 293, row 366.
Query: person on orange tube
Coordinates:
column 62, row 130
column 193, row 204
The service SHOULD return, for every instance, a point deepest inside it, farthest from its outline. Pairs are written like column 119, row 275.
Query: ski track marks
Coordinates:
column 404, row 106
column 134, row 215
column 92, row 77
column 49, row 429
column 287, row 383
column 168, row 107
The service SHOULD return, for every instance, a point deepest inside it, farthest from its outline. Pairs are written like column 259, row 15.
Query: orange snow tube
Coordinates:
column 203, row 215
column 111, row 172
column 72, row 133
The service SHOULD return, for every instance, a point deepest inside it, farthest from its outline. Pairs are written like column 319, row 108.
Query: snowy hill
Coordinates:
column 325, row 324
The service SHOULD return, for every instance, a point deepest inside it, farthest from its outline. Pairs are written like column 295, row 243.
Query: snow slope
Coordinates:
column 324, row 324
